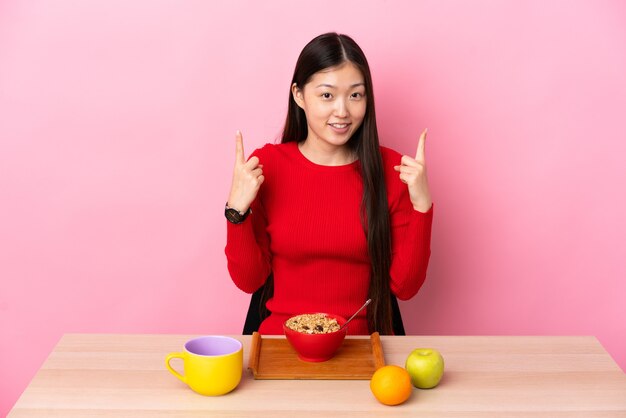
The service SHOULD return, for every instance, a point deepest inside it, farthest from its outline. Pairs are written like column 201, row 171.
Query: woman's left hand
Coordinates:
column 413, row 174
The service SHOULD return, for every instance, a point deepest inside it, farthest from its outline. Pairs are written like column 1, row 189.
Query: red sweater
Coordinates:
column 305, row 228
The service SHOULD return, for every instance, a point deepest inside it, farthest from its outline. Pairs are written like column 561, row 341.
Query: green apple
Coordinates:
column 425, row 365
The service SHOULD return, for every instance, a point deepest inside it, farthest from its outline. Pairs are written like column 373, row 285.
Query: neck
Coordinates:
column 326, row 154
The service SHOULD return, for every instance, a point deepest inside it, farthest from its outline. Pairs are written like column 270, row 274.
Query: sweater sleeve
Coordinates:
column 247, row 249
column 410, row 250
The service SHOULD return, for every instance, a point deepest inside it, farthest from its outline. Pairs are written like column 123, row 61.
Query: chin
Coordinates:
column 339, row 140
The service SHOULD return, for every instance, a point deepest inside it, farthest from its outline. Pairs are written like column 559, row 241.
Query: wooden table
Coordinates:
column 125, row 376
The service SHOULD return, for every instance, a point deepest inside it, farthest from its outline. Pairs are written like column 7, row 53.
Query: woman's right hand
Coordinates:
column 247, row 178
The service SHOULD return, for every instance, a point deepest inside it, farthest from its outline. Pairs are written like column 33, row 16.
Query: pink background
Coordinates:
column 117, row 124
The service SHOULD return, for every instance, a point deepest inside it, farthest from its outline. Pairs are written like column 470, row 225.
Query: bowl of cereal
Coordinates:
column 315, row 336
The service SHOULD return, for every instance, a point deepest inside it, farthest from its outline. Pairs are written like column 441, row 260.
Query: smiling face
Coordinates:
column 334, row 103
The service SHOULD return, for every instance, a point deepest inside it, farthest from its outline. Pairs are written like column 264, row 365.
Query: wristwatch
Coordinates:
column 234, row 216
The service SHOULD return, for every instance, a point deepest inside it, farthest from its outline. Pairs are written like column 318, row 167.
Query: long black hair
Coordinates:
column 323, row 52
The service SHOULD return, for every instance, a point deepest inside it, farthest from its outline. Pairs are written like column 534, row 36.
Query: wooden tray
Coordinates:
column 356, row 359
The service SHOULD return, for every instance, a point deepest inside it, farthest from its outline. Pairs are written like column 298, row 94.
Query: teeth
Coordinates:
column 339, row 125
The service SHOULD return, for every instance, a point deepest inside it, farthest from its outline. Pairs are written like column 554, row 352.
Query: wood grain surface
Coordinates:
column 90, row 375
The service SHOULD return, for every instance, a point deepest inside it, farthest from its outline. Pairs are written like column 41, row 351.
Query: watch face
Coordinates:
column 233, row 216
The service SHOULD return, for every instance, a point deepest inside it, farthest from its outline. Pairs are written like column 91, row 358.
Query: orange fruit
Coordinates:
column 391, row 385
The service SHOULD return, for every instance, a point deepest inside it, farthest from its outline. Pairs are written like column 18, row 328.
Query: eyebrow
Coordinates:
column 334, row 87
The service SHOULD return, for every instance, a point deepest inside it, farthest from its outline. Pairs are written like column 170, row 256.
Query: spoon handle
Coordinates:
column 367, row 302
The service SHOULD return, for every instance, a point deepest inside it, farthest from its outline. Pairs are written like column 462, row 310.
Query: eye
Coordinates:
column 326, row 95
column 357, row 95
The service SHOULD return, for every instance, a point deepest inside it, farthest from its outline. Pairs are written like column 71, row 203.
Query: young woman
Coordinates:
column 331, row 215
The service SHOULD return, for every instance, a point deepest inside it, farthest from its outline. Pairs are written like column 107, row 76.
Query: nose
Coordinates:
column 341, row 108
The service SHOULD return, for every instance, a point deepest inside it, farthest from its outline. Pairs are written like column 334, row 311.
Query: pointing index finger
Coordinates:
column 239, row 155
column 421, row 145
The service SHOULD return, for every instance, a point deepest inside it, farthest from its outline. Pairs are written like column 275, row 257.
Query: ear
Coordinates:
column 298, row 95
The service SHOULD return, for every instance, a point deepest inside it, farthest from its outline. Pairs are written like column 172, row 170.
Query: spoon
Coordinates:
column 367, row 302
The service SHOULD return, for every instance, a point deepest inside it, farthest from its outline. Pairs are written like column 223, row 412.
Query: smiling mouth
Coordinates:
column 339, row 125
